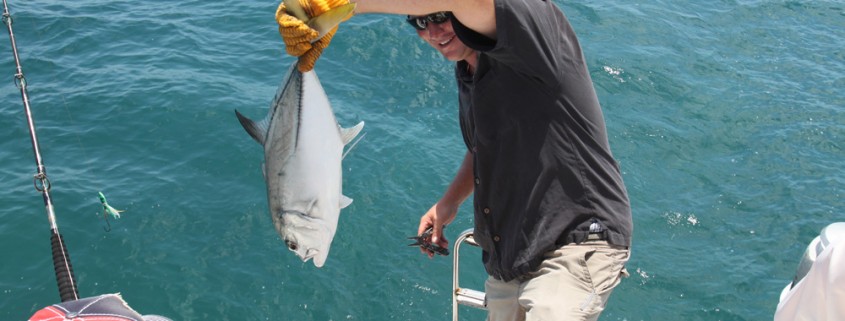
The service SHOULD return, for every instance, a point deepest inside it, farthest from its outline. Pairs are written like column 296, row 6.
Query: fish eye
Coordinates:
column 292, row 245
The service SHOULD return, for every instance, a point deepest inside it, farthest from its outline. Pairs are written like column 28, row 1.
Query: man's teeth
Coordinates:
column 447, row 41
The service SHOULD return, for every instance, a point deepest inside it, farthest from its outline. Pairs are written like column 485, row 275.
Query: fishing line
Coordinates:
column 82, row 147
column 71, row 121
column 61, row 258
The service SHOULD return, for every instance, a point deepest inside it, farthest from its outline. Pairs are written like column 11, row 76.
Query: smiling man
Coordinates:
column 552, row 215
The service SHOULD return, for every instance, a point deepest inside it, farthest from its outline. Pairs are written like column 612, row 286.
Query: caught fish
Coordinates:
column 303, row 149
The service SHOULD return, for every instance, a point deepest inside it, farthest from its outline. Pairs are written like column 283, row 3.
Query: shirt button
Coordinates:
column 477, row 181
column 496, row 238
column 486, row 210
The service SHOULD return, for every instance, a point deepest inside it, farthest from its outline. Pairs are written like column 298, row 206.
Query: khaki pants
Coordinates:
column 572, row 283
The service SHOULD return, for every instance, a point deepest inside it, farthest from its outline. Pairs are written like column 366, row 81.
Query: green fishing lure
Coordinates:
column 108, row 210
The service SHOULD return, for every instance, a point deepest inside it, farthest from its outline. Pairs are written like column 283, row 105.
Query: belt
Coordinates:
column 595, row 237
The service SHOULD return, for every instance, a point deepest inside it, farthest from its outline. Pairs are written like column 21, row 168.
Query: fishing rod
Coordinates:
column 61, row 258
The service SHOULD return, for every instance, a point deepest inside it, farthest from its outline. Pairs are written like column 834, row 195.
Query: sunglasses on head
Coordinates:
column 421, row 22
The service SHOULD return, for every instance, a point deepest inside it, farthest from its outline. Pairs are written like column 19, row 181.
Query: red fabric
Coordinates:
column 53, row 314
column 107, row 307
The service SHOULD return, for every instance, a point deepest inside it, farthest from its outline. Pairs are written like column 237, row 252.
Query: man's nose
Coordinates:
column 435, row 29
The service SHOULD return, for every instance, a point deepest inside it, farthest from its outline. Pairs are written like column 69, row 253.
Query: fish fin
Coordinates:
column 345, row 201
column 352, row 146
column 330, row 19
column 294, row 8
column 348, row 134
column 324, row 22
column 255, row 130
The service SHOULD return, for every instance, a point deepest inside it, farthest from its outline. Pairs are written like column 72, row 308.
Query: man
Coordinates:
column 551, row 211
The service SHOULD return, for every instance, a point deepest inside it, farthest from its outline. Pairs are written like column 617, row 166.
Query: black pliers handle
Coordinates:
column 424, row 241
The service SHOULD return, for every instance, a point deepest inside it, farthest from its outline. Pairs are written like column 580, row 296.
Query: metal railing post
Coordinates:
column 468, row 297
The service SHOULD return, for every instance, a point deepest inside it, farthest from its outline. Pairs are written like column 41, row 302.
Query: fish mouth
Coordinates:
column 294, row 247
column 296, row 220
column 310, row 254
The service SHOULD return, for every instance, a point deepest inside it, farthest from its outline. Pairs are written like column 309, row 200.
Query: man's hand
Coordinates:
column 302, row 22
column 437, row 217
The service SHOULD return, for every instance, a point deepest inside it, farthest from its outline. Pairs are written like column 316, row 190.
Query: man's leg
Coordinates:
column 501, row 299
column 574, row 282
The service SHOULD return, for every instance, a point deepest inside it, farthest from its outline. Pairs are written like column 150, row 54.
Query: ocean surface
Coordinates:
column 727, row 119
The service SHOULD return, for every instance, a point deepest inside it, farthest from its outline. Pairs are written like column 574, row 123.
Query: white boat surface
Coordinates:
column 817, row 292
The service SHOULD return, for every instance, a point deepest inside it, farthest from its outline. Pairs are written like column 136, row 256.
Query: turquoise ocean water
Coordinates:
column 727, row 118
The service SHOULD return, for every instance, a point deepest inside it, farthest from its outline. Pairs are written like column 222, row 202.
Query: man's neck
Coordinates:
column 472, row 62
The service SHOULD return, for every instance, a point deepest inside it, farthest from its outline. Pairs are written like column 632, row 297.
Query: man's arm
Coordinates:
column 303, row 41
column 445, row 210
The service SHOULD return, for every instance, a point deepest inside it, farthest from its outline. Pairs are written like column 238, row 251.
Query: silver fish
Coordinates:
column 303, row 149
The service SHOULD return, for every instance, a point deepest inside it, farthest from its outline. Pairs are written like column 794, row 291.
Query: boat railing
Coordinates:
column 463, row 296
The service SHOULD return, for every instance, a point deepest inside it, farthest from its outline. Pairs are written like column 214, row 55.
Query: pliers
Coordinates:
column 424, row 241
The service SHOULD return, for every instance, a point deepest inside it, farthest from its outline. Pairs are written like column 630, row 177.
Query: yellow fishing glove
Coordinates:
column 300, row 39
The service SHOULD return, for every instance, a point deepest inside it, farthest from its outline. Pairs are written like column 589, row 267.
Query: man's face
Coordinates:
column 439, row 34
